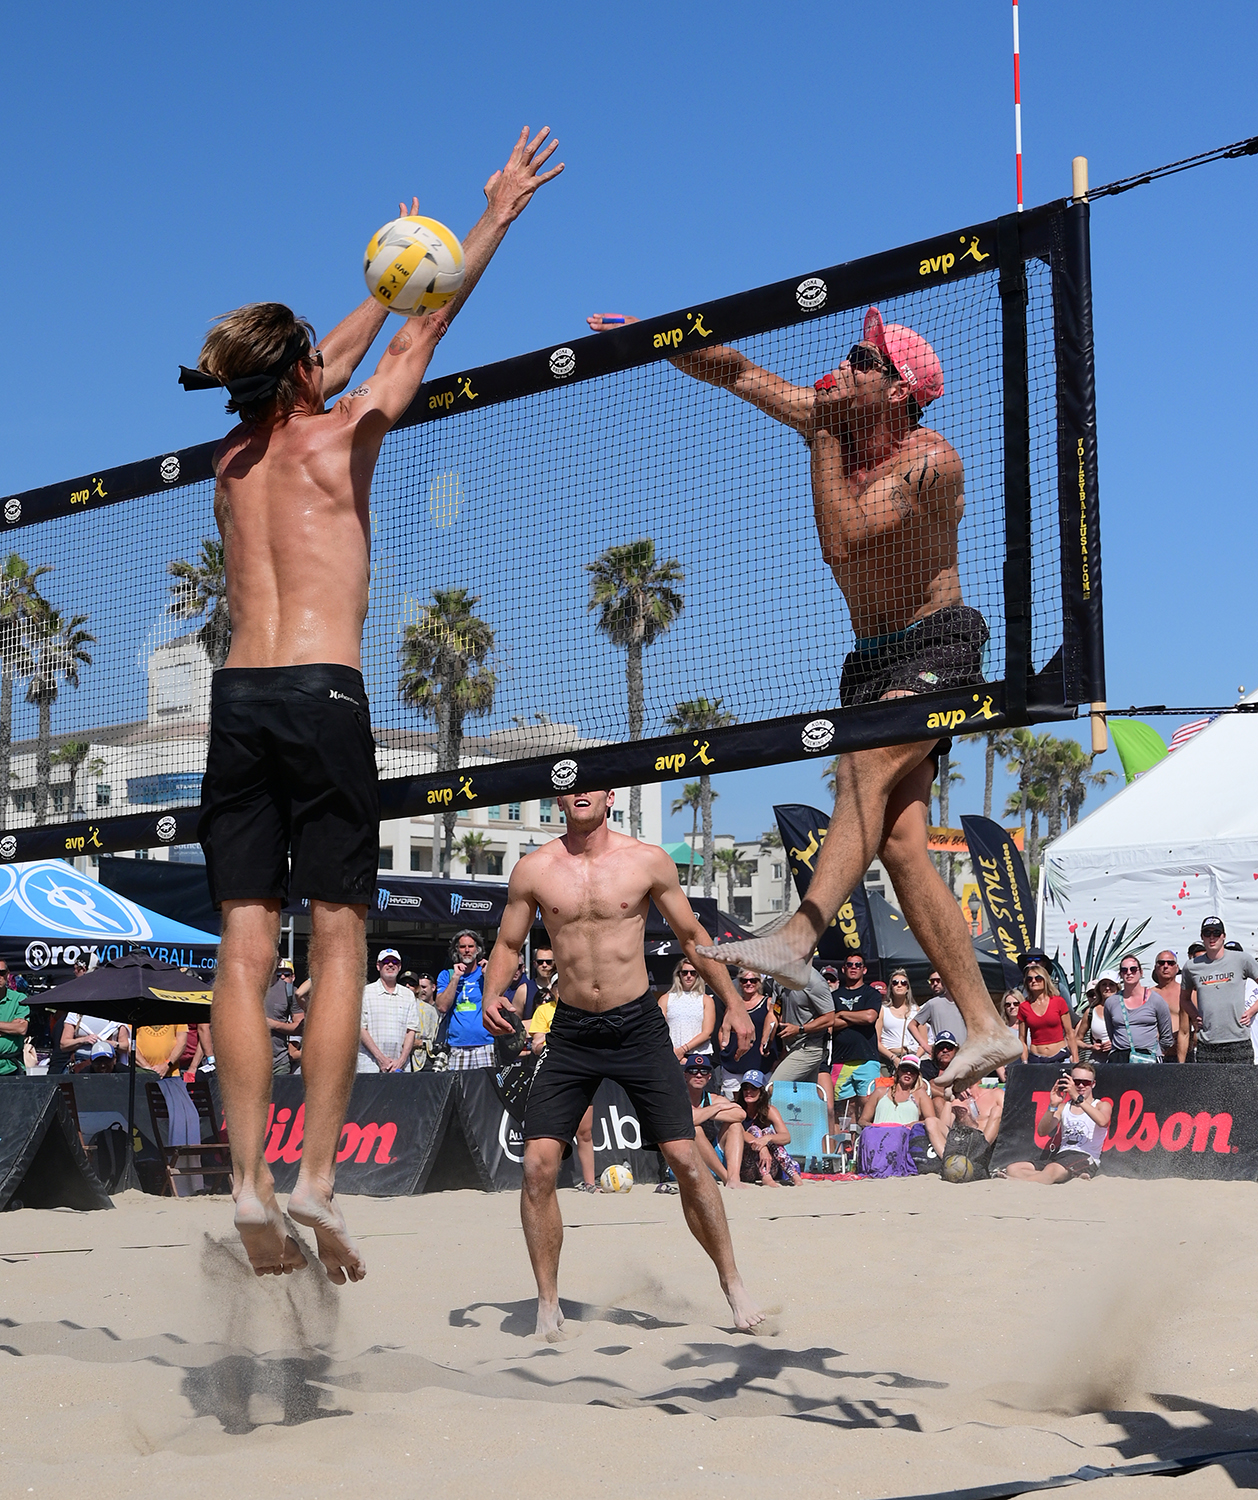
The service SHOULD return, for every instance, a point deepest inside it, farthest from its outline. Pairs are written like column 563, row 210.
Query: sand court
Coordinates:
column 921, row 1338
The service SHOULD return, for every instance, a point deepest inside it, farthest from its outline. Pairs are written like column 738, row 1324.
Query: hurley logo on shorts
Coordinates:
column 341, row 697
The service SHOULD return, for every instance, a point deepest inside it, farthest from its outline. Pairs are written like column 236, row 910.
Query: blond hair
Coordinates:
column 250, row 340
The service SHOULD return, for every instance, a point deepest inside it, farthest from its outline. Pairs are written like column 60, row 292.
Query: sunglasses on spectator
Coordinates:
column 1083, row 1083
column 1129, row 968
column 853, row 963
column 899, row 984
column 687, row 973
column 1165, row 962
column 935, row 979
column 749, row 981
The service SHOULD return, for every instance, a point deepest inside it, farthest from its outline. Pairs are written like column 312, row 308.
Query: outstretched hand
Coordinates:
column 510, row 189
column 491, row 1015
column 412, row 212
column 604, row 322
column 740, row 1025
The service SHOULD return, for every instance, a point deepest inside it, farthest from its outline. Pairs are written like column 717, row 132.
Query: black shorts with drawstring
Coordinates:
column 629, row 1045
column 290, row 799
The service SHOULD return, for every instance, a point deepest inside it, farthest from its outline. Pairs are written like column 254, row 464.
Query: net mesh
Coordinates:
column 510, row 502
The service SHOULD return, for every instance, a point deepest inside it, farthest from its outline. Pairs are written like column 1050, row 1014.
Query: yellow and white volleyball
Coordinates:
column 413, row 264
column 616, row 1179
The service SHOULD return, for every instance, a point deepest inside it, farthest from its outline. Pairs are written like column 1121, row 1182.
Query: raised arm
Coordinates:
column 382, row 399
column 513, row 932
column 669, row 897
column 725, row 367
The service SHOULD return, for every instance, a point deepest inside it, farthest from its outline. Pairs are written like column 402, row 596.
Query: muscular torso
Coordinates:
column 906, row 568
column 291, row 505
column 595, row 910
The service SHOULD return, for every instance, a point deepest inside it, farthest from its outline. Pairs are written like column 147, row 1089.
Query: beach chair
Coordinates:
column 802, row 1105
column 210, row 1158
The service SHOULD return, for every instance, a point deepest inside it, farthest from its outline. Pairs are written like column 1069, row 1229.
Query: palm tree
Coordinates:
column 637, row 604
column 691, row 798
column 1030, row 803
column 949, row 776
column 830, row 771
column 21, row 604
column 1077, row 777
column 72, row 753
column 732, row 865
column 444, row 675
column 201, row 589
column 696, row 716
column 999, row 745
column 471, row 846
column 57, row 652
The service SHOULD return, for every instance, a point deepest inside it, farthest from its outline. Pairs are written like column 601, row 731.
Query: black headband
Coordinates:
column 247, row 390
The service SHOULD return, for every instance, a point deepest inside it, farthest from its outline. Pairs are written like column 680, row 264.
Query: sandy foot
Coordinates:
column 982, row 1054
column 746, row 1314
column 786, row 958
column 272, row 1251
column 337, row 1251
column 549, row 1322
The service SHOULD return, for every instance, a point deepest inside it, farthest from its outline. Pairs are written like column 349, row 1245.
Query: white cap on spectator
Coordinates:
column 102, row 1049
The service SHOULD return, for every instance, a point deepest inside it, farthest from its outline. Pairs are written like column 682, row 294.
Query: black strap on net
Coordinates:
column 1017, row 462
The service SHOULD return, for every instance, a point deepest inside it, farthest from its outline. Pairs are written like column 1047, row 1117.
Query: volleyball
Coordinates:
column 413, row 264
column 616, row 1180
column 958, row 1168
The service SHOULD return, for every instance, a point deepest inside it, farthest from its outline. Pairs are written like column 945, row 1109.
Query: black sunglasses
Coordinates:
column 863, row 357
column 1129, row 968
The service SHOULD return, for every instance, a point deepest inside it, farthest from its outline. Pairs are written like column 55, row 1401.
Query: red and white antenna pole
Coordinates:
column 1017, row 102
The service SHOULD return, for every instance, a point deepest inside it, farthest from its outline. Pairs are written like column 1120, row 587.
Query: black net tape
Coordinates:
column 509, row 497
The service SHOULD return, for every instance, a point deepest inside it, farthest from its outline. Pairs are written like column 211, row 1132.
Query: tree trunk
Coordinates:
column 989, row 770
column 633, row 674
column 1033, row 843
column 944, row 766
column 694, row 844
column 1053, row 812
column 729, row 889
column 709, row 852
column 6, row 741
column 43, row 765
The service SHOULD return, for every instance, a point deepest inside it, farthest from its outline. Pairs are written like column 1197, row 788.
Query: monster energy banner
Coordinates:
column 803, row 831
column 1002, row 879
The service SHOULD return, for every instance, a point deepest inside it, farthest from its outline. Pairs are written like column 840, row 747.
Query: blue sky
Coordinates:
column 164, row 164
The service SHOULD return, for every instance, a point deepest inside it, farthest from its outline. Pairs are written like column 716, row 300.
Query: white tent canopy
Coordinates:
column 1177, row 845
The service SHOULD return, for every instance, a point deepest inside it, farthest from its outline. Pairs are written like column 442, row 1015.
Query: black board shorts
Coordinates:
column 629, row 1045
column 291, row 772
column 942, row 651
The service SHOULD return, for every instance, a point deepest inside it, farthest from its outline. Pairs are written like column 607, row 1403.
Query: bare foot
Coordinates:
column 272, row 1251
column 337, row 1251
column 983, row 1053
column 737, row 1182
column 746, row 1314
column 549, row 1322
column 785, row 954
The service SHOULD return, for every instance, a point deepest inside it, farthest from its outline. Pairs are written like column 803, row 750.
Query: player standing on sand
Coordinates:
column 594, row 888
column 291, row 765
column 888, row 496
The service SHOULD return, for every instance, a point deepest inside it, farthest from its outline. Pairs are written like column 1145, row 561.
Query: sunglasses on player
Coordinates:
column 864, row 357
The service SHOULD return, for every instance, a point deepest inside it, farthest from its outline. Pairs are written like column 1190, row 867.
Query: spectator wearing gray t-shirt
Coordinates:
column 1216, row 985
column 940, row 1013
column 805, row 1030
column 1137, row 1019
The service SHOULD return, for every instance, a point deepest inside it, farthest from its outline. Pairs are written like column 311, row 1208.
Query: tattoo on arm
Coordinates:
column 399, row 343
column 900, row 502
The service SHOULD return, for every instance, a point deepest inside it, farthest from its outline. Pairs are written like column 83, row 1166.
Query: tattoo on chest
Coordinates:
column 399, row 343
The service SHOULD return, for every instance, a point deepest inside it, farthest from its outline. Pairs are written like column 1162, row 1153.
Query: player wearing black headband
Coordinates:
column 291, row 770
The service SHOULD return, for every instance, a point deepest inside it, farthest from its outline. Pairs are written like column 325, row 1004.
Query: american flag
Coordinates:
column 1185, row 732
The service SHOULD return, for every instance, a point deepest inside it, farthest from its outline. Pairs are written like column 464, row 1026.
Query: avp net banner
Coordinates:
column 1194, row 1121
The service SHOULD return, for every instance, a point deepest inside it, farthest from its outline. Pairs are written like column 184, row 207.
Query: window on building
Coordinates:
column 546, row 810
column 494, row 814
column 385, row 859
column 776, row 904
column 421, row 858
column 514, row 812
column 743, row 874
column 777, row 871
column 58, row 798
column 493, row 864
column 618, row 815
column 742, row 910
column 103, row 794
column 20, row 801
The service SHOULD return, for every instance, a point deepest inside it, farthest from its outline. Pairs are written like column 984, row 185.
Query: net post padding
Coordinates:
column 1017, row 455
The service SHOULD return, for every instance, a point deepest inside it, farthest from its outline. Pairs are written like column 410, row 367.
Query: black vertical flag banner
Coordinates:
column 803, row 831
column 1002, row 879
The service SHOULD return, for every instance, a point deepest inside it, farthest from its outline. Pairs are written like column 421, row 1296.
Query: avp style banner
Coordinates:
column 1000, row 872
column 1195, row 1121
column 803, row 831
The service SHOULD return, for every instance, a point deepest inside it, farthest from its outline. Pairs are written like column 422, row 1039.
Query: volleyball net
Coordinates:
column 615, row 568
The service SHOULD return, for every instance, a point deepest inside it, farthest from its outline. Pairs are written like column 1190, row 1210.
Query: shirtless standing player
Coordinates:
column 888, row 496
column 291, row 763
column 594, row 888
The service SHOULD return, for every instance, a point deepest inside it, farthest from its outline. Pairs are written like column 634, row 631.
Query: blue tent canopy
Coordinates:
column 52, row 916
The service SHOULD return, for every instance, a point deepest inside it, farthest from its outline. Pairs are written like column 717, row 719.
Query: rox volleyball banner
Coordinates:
column 1168, row 1121
column 803, row 831
column 1002, row 880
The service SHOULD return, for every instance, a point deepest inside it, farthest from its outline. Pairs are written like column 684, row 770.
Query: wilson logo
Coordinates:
column 285, row 1131
column 1133, row 1127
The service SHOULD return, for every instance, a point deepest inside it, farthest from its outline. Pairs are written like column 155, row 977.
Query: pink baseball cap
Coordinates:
column 909, row 352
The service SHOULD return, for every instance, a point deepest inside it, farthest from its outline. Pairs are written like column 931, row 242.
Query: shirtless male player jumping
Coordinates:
column 594, row 888
column 291, row 767
column 888, row 496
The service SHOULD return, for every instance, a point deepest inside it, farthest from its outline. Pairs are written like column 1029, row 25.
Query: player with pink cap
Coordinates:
column 888, row 496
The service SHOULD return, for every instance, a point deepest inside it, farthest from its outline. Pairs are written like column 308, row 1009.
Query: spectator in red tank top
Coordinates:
column 1048, row 1034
